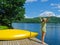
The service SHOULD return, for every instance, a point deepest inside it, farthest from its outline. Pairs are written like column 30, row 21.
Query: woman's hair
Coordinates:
column 43, row 19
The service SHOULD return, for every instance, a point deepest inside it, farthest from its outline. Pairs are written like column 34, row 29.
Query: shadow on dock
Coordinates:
column 29, row 41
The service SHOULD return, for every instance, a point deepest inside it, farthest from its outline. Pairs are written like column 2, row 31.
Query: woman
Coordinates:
column 43, row 28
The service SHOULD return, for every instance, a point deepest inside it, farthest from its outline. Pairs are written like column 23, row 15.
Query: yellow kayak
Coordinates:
column 16, row 34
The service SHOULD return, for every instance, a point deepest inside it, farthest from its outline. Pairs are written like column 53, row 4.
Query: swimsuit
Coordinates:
column 43, row 26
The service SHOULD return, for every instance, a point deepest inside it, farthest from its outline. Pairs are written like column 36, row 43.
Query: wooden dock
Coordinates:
column 31, row 41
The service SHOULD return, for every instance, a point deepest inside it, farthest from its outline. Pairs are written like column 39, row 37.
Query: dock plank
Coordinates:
column 30, row 41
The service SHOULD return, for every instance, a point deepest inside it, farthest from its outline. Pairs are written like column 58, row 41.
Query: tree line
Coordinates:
column 37, row 20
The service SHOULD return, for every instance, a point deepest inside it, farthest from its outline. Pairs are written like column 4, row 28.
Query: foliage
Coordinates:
column 11, row 10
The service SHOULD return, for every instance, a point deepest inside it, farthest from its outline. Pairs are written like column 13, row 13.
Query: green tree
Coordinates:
column 10, row 11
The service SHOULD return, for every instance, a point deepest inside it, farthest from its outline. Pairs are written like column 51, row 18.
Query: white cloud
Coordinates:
column 52, row 4
column 58, row 16
column 27, row 16
column 44, row 0
column 59, row 10
column 58, row 6
column 30, row 1
column 55, row 5
column 47, row 13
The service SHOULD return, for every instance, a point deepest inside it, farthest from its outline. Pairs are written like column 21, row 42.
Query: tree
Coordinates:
column 10, row 11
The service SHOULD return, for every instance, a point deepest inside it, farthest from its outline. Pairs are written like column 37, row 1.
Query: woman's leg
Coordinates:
column 43, row 36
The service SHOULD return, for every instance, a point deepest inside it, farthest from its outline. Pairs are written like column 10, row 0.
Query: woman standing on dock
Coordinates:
column 43, row 28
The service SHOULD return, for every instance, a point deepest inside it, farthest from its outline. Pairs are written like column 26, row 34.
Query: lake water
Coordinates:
column 52, row 34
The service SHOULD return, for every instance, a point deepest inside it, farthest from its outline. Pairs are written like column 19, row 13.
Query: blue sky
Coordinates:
column 34, row 8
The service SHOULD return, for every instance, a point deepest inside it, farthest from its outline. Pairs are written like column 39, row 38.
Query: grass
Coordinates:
column 3, row 27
